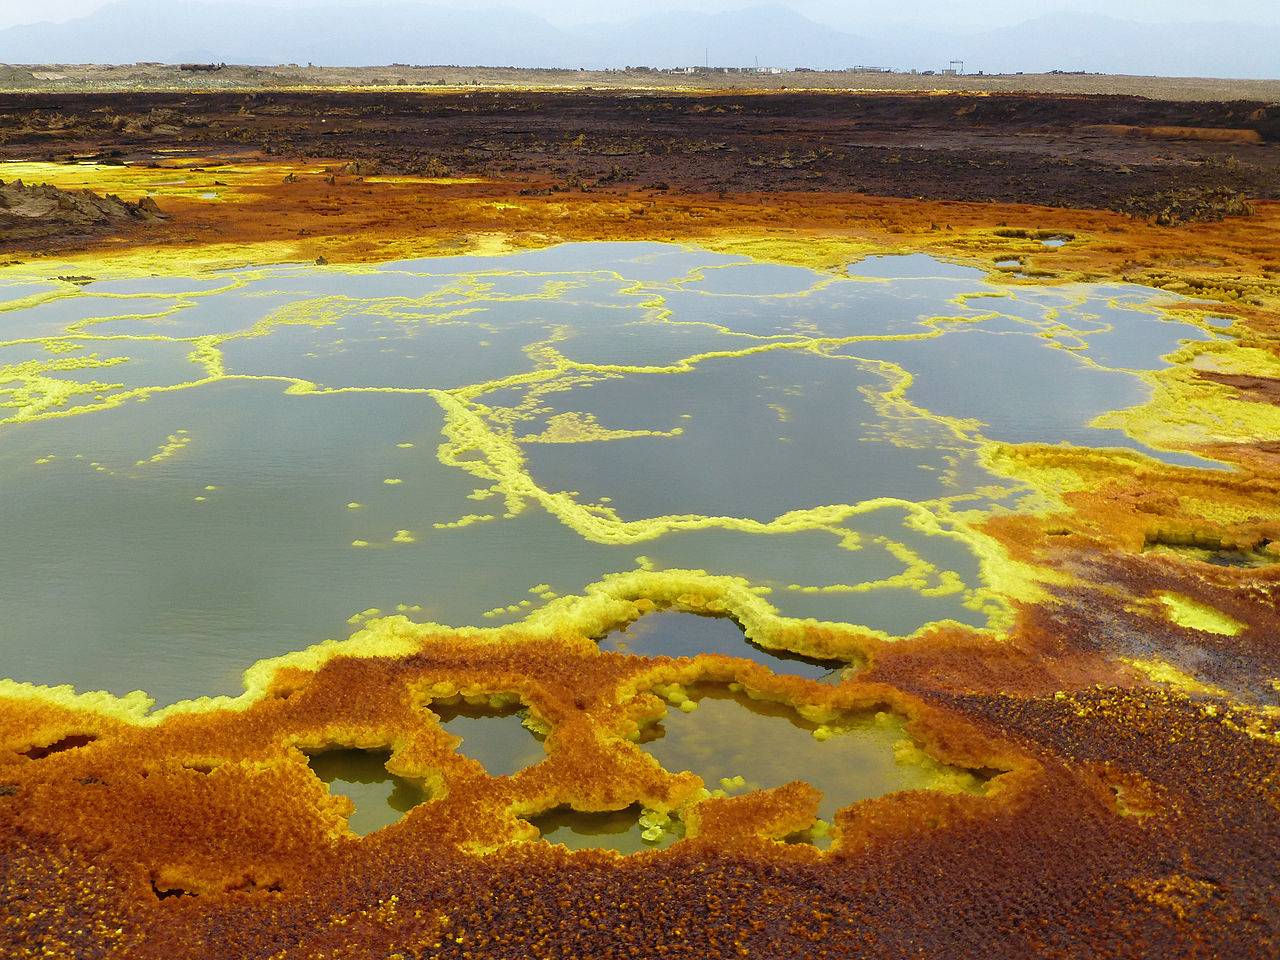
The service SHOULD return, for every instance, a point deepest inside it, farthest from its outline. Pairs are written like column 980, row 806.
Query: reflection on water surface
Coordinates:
column 623, row 831
column 737, row 744
column 497, row 738
column 669, row 634
column 380, row 798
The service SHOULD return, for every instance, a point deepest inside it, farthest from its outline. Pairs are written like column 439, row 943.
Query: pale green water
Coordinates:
column 498, row 739
column 618, row 830
column 767, row 744
column 687, row 635
column 380, row 799
column 167, row 538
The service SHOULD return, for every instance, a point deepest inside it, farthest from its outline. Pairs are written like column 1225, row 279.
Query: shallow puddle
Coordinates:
column 497, row 738
column 1220, row 557
column 669, row 634
column 380, row 798
column 737, row 744
column 624, row 831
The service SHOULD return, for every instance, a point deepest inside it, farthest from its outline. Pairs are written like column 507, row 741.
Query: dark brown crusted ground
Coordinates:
column 35, row 213
column 1009, row 148
column 1264, row 389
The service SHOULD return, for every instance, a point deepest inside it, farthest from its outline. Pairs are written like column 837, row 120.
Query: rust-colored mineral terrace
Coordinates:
column 1094, row 774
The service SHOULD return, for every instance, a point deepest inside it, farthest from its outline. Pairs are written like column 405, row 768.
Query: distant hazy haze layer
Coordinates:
column 398, row 32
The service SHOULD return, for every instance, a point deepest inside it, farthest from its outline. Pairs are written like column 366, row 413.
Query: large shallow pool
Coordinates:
column 200, row 472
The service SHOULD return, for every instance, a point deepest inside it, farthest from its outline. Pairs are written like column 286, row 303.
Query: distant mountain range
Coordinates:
column 330, row 34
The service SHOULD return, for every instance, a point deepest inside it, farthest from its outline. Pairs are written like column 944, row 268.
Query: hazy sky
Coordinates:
column 844, row 14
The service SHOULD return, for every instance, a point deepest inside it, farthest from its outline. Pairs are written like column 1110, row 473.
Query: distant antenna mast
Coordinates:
column 706, row 56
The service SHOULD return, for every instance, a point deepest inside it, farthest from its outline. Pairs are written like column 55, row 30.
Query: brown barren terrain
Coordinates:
column 122, row 78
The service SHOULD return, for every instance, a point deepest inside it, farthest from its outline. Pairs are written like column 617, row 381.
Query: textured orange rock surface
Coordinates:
column 1125, row 727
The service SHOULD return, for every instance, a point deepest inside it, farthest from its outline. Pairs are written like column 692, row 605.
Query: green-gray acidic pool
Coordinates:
column 200, row 472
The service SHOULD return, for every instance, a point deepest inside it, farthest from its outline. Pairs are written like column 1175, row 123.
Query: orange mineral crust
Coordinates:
column 208, row 835
column 1127, row 820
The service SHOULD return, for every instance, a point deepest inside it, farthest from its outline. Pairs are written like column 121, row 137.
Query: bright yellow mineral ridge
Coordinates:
column 1195, row 615
column 1161, row 671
